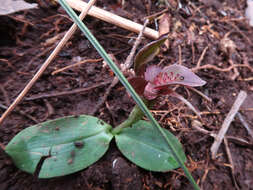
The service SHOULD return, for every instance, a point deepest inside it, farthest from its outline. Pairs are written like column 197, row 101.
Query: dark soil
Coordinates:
column 24, row 46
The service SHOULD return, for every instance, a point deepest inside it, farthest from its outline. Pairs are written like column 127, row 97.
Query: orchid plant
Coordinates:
column 58, row 140
column 153, row 81
column 70, row 144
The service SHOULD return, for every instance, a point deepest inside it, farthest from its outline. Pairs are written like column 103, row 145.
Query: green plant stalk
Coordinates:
column 135, row 115
column 124, row 81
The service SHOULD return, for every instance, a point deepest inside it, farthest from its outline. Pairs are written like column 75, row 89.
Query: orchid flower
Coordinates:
column 156, row 81
column 152, row 81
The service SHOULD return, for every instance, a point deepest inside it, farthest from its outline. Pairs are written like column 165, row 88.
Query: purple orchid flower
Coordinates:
column 156, row 81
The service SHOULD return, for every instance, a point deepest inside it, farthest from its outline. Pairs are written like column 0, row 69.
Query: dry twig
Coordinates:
column 42, row 52
column 21, row 113
column 174, row 94
column 209, row 66
column 202, row 56
column 5, row 94
column 200, row 93
column 231, row 163
column 102, row 101
column 198, row 126
column 7, row 62
column 128, row 62
column 245, row 124
column 124, row 68
column 240, row 141
column 238, row 102
column 114, row 19
column 64, row 93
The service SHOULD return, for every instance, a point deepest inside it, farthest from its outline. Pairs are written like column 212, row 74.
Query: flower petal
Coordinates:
column 177, row 74
column 151, row 72
column 150, row 92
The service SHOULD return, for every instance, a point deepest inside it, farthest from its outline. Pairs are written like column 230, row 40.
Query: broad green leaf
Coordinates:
column 144, row 146
column 68, row 145
column 147, row 53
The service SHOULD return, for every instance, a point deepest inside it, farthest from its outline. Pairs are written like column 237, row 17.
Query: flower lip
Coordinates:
column 173, row 74
column 156, row 81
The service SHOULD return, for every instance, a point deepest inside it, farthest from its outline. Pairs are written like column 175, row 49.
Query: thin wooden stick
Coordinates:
column 114, row 19
column 69, row 92
column 200, row 93
column 47, row 62
column 237, row 104
column 198, row 126
column 174, row 94
column 202, row 56
column 129, row 61
column 230, row 158
column 21, row 113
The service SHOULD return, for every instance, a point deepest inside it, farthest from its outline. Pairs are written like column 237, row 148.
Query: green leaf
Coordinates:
column 68, row 145
column 144, row 146
column 147, row 53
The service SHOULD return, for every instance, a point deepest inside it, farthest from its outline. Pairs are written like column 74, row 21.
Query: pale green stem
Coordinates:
column 135, row 115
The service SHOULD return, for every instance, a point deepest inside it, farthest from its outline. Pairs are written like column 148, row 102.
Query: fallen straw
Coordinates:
column 235, row 108
column 46, row 63
column 114, row 19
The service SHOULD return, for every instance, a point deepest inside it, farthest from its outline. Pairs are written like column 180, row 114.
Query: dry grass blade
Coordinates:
column 76, row 64
column 66, row 37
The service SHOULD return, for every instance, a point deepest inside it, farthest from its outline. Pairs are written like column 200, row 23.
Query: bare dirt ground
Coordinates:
column 212, row 37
